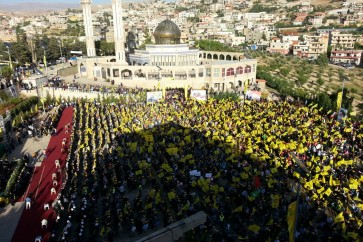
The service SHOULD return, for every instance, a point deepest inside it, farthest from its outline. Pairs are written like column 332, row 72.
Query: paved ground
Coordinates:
column 9, row 218
column 10, row 215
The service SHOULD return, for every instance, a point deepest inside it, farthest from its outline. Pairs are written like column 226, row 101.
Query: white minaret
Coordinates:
column 118, row 28
column 88, row 27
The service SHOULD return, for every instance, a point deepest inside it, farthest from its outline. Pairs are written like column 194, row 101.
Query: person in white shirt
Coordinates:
column 38, row 238
column 28, row 202
column 44, row 223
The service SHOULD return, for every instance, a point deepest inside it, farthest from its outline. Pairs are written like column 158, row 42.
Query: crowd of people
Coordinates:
column 141, row 167
column 97, row 88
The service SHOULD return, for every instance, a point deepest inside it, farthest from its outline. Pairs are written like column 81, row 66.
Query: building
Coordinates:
column 317, row 20
column 278, row 46
column 318, row 44
column 165, row 63
column 300, row 18
column 338, row 40
column 347, row 56
column 301, row 50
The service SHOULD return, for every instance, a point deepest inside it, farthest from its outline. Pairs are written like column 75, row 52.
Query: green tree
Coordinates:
column 19, row 52
column 324, row 101
column 106, row 48
column 320, row 81
column 322, row 59
column 284, row 71
column 211, row 45
column 7, row 72
column 302, row 79
column 358, row 46
column 146, row 41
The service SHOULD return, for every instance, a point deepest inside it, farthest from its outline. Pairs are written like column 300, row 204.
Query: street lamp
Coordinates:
column 60, row 44
column 7, row 45
column 45, row 58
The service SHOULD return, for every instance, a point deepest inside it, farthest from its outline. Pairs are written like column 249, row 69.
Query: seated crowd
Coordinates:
column 135, row 168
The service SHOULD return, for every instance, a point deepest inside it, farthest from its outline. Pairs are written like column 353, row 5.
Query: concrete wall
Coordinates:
column 68, row 71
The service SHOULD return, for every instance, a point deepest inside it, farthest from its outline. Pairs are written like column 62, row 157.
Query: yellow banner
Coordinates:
column 291, row 220
column 339, row 99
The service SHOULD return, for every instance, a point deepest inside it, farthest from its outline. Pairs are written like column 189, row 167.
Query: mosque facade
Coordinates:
column 165, row 63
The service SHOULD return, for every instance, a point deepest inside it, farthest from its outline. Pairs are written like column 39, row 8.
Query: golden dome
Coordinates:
column 167, row 32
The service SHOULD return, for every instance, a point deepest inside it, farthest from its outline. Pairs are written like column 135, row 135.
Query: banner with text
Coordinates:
column 254, row 95
column 152, row 97
column 200, row 95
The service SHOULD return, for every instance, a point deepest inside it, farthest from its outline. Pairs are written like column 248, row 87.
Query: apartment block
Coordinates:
column 347, row 56
column 318, row 44
column 339, row 40
column 278, row 46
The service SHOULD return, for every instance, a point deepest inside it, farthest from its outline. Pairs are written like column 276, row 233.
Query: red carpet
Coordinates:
column 29, row 225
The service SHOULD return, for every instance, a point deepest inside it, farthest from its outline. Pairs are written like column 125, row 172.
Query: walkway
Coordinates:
column 40, row 185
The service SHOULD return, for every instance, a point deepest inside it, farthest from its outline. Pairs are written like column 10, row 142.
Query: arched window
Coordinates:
column 230, row 72
column 239, row 70
column 248, row 69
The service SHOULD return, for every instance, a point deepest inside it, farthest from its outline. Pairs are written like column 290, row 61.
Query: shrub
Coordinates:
column 284, row 71
column 320, row 81
column 302, row 79
column 24, row 106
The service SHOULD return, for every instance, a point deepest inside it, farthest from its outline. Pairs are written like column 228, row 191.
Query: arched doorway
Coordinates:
column 126, row 74
column 221, row 57
column 215, row 57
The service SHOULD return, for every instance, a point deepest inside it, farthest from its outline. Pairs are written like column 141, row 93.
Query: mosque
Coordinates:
column 165, row 63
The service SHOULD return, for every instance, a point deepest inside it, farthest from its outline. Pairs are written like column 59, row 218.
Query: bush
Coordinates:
column 14, row 178
column 320, row 81
column 302, row 79
column 226, row 96
column 354, row 90
column 284, row 71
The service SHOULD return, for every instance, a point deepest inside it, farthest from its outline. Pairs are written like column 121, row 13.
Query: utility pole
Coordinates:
column 7, row 45
column 60, row 42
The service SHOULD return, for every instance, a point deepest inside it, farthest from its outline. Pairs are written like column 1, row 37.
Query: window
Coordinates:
column 223, row 72
column 248, row 69
column 208, row 74
column 230, row 72
column 239, row 70
column 216, row 72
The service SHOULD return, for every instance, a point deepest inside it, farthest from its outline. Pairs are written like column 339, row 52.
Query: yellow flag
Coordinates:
column 239, row 209
column 291, row 220
column 164, row 92
column 339, row 218
column 171, row 195
column 255, row 228
column 275, row 201
column 246, row 87
column 45, row 61
column 339, row 99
